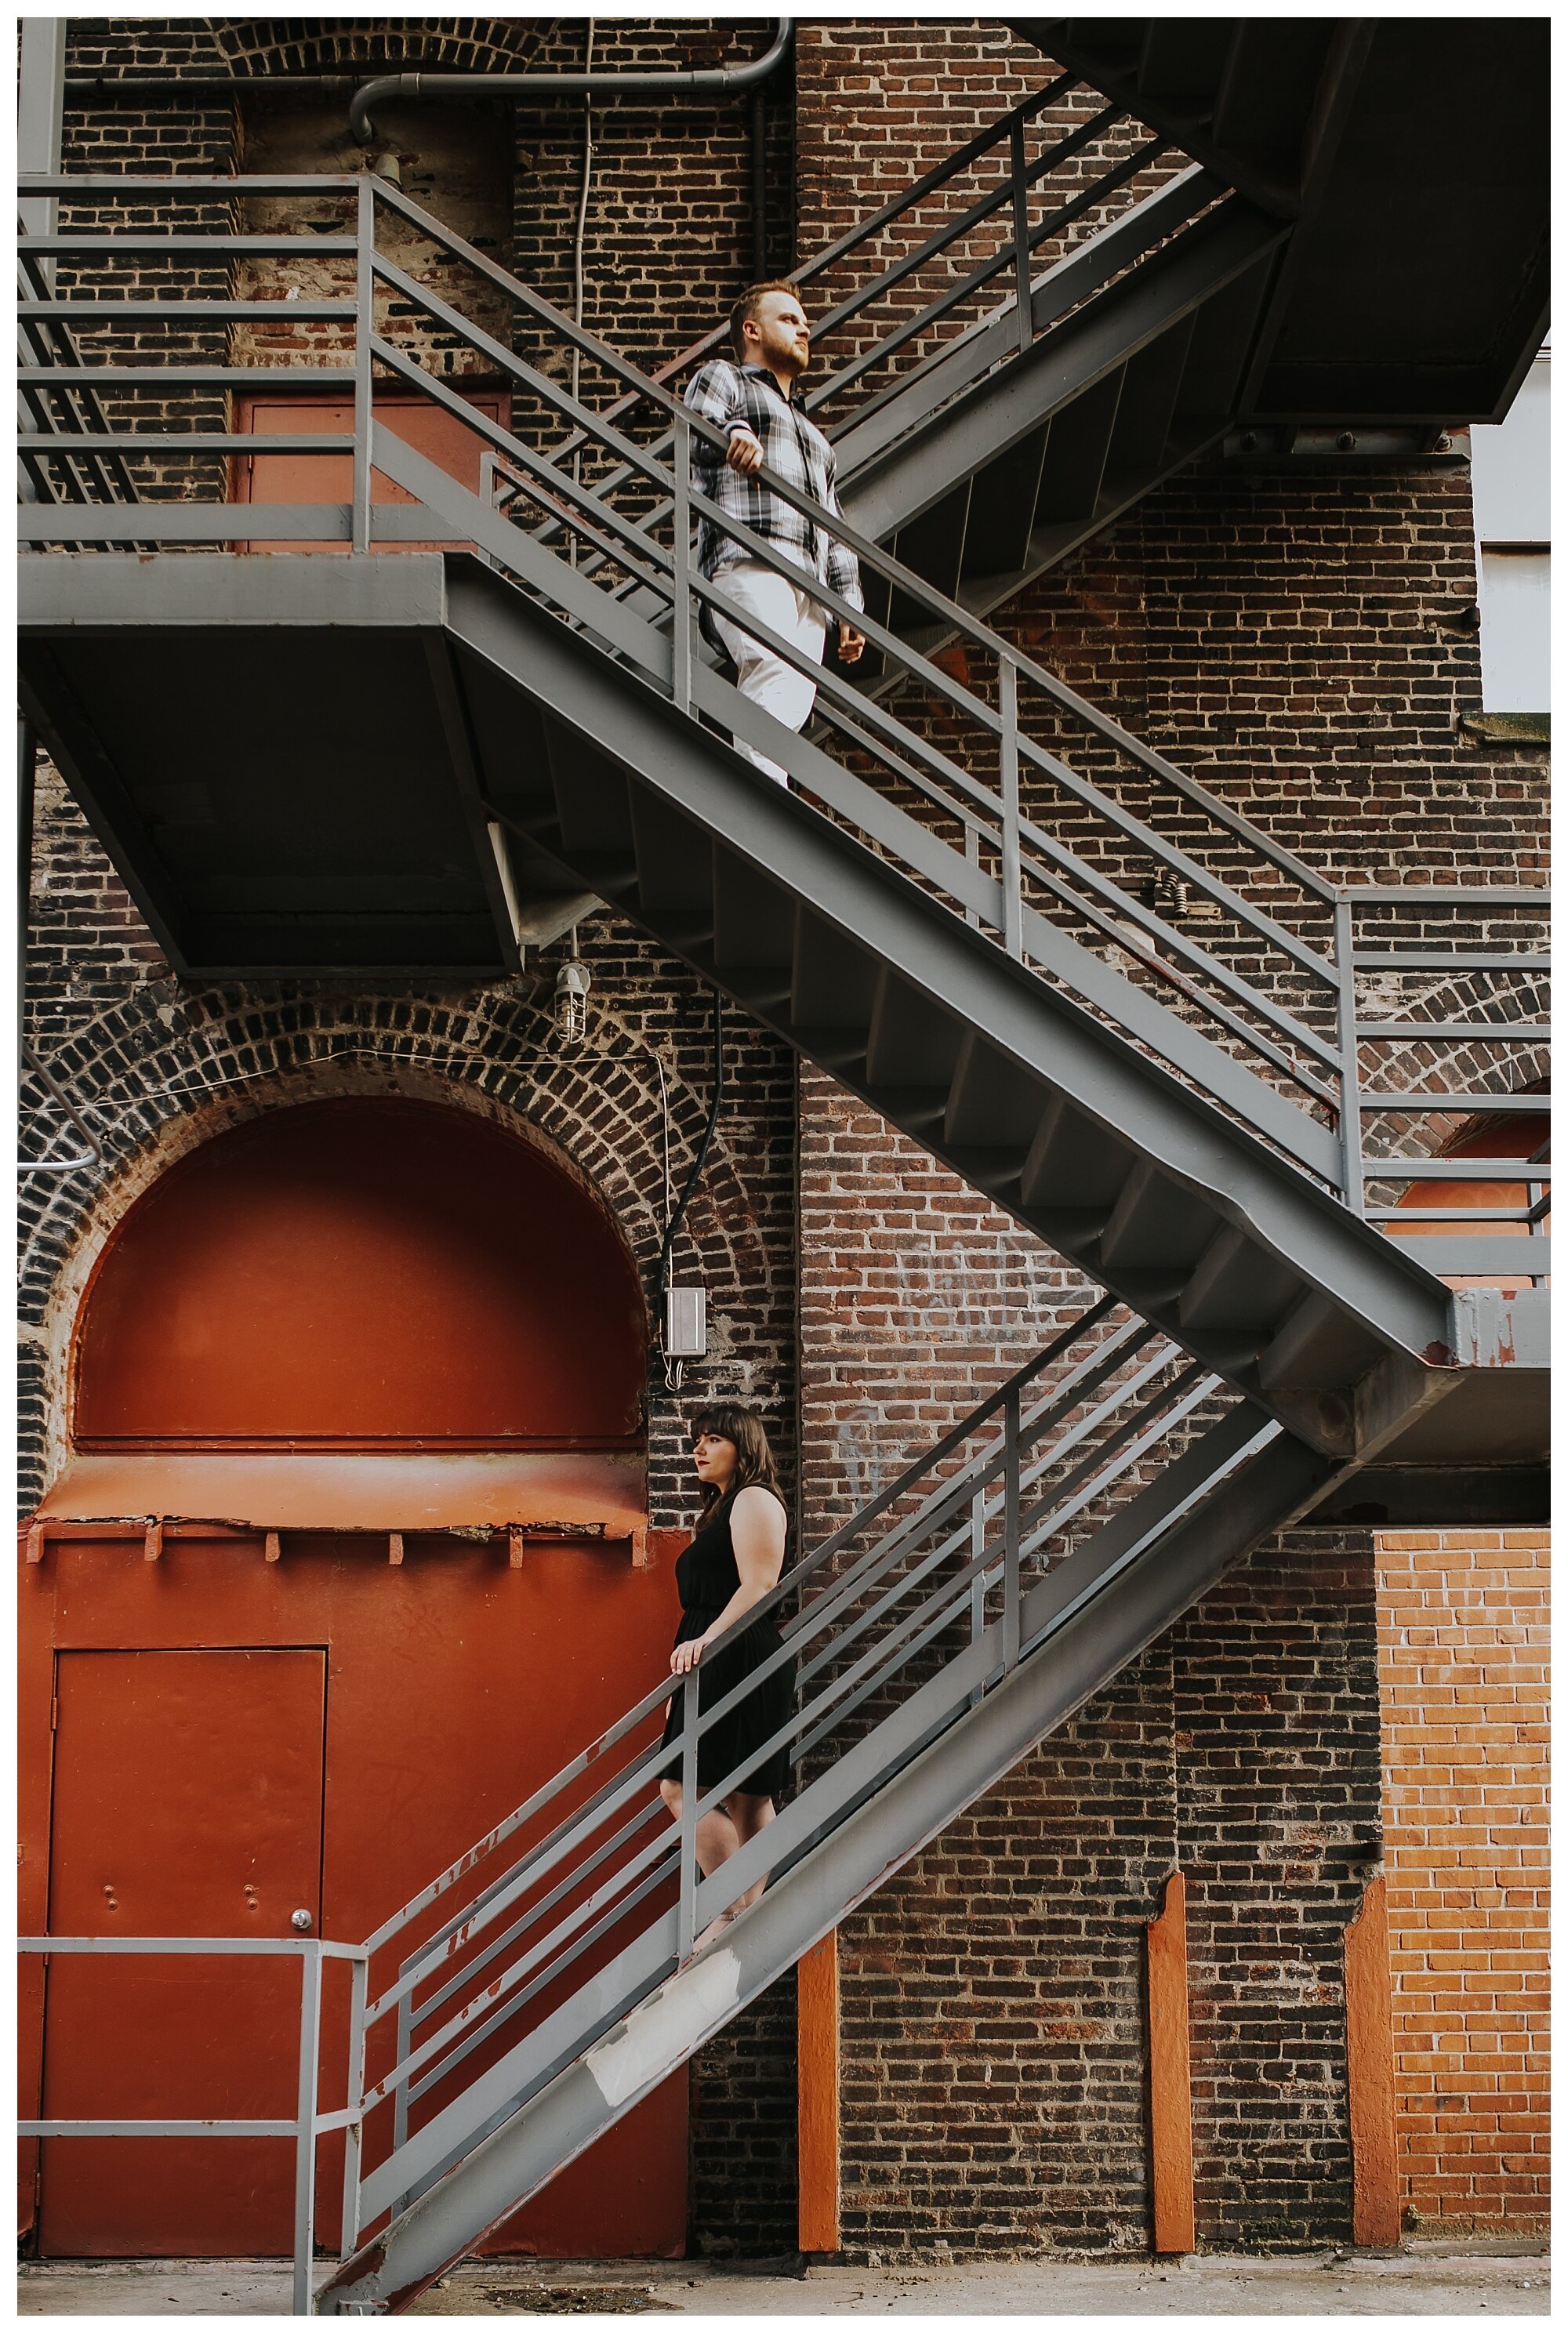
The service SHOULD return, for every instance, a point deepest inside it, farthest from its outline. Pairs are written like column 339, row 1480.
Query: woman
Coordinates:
column 732, row 1562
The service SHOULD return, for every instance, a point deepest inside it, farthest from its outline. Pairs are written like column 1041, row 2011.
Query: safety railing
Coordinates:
column 530, row 1946
column 306, row 2125
column 1099, row 864
column 498, row 1981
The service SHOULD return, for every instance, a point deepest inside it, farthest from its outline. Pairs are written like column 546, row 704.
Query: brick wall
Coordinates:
column 1290, row 639
column 166, row 1065
column 1462, row 1629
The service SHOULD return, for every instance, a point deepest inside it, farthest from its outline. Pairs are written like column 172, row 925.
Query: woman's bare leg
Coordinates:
column 717, row 1839
column 716, row 1835
column 749, row 1815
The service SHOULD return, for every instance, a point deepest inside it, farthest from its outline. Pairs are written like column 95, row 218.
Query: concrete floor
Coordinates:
column 1424, row 2279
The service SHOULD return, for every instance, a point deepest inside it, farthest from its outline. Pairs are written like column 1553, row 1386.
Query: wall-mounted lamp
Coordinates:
column 572, row 983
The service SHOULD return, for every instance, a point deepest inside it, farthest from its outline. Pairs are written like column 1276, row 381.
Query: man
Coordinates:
column 753, row 401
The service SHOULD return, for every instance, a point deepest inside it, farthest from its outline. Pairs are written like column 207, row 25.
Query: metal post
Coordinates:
column 1349, row 1056
column 1012, row 861
column 353, row 2141
column 305, row 2130
column 1012, row 1506
column 680, row 638
column 686, row 1927
column 40, row 107
column 26, row 784
column 364, row 326
column 978, row 1582
column 1021, row 239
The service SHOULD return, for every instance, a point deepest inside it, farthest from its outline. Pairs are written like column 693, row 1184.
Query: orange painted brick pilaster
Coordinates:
column 1462, row 1649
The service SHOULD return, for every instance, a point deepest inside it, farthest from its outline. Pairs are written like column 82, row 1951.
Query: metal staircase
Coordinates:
column 517, row 2007
column 1218, row 1082
column 977, row 906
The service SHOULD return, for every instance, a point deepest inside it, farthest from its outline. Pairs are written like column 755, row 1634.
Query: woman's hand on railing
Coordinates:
column 688, row 1655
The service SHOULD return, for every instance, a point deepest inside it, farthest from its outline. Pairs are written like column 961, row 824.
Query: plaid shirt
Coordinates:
column 729, row 396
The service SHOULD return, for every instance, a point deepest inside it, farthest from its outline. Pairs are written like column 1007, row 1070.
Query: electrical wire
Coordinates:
column 673, row 1366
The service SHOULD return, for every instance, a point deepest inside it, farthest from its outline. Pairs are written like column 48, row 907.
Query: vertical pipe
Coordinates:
column 1349, row 1056
column 364, row 326
column 686, row 1929
column 759, row 186
column 681, row 626
column 353, row 2141
column 978, row 1582
column 1012, row 862
column 305, row 2125
column 26, row 794
column 1025, row 319
column 1011, row 1516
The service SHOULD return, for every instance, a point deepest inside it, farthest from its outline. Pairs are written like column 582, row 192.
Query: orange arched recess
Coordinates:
column 363, row 1272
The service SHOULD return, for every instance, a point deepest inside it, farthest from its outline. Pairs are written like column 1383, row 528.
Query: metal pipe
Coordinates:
column 722, row 81
column 27, row 797
column 759, row 186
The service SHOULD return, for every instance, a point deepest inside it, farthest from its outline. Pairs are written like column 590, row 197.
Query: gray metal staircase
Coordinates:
column 518, row 2006
column 958, row 911
column 1218, row 1083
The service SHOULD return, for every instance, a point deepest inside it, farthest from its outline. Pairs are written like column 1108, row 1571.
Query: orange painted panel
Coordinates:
column 816, row 2117
column 287, row 478
column 1369, row 2045
column 358, row 1271
column 456, row 1684
column 1170, row 2077
column 1494, row 1140
column 188, row 1801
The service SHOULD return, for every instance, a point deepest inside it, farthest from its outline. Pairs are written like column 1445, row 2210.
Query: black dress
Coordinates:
column 707, row 1579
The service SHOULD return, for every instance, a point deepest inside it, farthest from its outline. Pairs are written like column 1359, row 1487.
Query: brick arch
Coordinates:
column 173, row 1068
column 318, row 43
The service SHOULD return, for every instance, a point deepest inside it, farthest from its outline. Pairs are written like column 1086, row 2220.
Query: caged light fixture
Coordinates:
column 572, row 983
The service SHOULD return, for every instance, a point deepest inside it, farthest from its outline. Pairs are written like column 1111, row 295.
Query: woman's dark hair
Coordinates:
column 754, row 1465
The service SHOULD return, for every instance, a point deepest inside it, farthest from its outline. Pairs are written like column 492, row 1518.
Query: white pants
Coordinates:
column 764, row 677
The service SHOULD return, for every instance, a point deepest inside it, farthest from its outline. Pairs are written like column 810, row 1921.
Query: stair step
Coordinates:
column 1183, row 60
column 835, row 979
column 910, row 1041
column 992, row 1103
column 1156, row 1224
column 1076, row 453
column 1002, row 501
column 1147, row 409
column 753, row 915
column 1072, row 1163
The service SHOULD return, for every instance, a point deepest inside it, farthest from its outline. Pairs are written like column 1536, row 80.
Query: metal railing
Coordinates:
column 495, row 1988
column 1098, row 863
column 306, row 2125
column 470, row 1998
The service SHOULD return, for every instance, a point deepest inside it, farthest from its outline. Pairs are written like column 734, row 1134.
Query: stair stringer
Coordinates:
column 1091, row 1618
column 1051, row 1040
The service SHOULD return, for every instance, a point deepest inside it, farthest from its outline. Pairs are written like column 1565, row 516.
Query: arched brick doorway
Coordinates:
column 343, row 1563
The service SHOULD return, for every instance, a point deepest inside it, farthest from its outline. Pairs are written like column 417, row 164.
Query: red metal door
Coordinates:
column 188, row 1801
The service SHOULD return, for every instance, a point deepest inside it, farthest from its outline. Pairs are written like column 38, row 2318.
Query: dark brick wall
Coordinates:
column 1292, row 640
column 993, row 1996
column 165, row 1065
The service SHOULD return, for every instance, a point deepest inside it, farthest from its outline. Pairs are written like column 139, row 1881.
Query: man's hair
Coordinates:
column 748, row 305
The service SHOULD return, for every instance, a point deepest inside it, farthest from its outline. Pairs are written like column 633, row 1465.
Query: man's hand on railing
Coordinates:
column 745, row 449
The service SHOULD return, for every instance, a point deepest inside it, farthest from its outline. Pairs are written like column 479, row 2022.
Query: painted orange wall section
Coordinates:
column 363, row 1270
column 1170, row 2073
column 1462, row 1645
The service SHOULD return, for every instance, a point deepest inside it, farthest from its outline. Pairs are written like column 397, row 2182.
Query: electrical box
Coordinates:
column 686, row 1321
